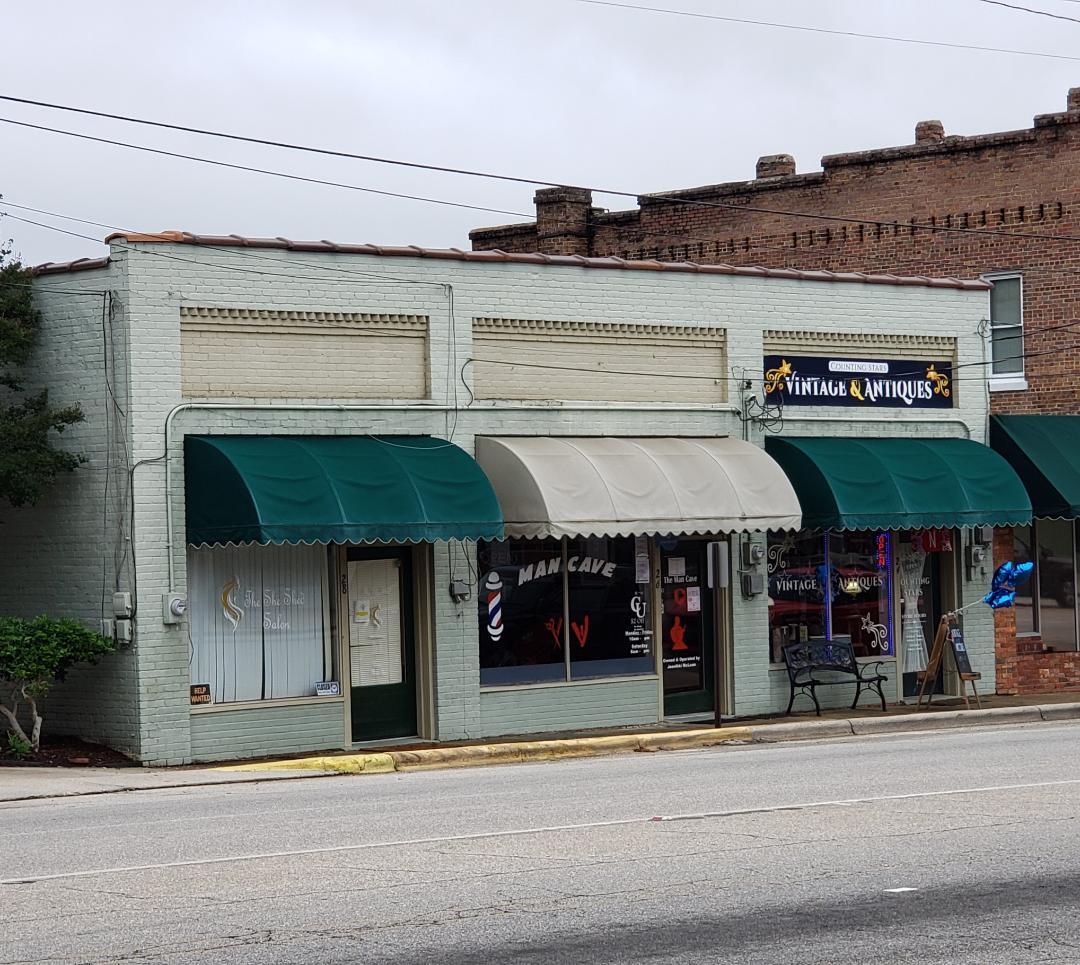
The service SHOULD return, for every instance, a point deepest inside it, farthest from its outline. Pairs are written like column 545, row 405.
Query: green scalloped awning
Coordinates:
column 898, row 483
column 334, row 489
column 1045, row 452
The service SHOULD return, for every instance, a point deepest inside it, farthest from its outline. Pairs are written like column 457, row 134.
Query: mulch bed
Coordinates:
column 68, row 752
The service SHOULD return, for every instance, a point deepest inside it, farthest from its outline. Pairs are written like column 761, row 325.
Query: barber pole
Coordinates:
column 493, row 585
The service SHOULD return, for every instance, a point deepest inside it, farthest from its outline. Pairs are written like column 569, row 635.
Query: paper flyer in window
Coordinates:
column 693, row 599
column 642, row 569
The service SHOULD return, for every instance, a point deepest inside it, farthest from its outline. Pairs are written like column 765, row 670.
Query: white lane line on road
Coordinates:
column 335, row 849
column 846, row 802
column 899, row 891
column 516, row 832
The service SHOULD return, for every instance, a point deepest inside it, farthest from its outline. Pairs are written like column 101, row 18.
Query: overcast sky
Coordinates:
column 551, row 89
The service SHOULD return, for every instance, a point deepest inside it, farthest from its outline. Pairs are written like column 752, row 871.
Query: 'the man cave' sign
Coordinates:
column 869, row 383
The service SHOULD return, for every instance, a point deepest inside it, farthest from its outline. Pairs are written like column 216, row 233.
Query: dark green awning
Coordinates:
column 1045, row 452
column 334, row 489
column 851, row 483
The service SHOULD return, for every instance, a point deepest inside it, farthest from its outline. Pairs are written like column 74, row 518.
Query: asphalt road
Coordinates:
column 944, row 847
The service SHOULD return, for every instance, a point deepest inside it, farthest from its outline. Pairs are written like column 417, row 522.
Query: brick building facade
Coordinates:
column 222, row 376
column 1005, row 206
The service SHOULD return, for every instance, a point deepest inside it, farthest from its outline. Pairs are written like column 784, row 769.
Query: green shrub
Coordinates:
column 34, row 653
column 18, row 747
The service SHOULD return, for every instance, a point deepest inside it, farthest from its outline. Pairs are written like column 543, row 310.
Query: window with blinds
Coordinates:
column 258, row 621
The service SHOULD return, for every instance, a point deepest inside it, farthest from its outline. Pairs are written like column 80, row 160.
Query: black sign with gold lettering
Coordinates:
column 867, row 383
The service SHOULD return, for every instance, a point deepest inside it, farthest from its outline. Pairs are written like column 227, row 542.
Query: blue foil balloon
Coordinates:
column 1003, row 588
column 1000, row 598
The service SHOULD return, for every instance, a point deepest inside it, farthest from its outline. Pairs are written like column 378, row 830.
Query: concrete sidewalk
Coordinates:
column 28, row 783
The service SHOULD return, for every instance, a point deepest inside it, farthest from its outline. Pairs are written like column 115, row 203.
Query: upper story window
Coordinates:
column 1007, row 326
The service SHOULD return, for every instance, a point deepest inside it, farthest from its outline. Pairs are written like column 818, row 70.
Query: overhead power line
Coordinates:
column 467, row 172
column 826, row 30
column 256, row 170
column 1041, row 13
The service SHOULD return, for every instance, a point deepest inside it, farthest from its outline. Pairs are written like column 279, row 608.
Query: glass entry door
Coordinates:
column 687, row 628
column 920, row 613
column 382, row 651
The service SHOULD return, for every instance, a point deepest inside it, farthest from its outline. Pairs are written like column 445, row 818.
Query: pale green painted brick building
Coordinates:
column 311, row 644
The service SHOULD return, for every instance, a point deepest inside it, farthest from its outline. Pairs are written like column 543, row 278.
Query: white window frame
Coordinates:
column 1006, row 381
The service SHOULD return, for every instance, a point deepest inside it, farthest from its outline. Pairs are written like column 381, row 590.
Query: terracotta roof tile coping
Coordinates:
column 496, row 256
column 80, row 264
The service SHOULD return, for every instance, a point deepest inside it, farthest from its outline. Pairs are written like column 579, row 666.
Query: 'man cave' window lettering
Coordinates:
column 552, row 611
column 258, row 618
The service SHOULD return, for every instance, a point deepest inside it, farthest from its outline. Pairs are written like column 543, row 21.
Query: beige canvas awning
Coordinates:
column 604, row 486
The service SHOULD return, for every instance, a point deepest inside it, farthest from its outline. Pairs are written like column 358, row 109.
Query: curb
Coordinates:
column 476, row 755
column 508, row 753
column 386, row 762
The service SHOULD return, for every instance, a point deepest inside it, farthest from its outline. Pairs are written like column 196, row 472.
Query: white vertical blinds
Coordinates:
column 374, row 622
column 257, row 620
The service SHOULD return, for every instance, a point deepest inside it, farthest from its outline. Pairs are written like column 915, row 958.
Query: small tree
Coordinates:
column 29, row 460
column 33, row 654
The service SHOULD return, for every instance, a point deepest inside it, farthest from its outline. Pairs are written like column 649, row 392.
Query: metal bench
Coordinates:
column 805, row 660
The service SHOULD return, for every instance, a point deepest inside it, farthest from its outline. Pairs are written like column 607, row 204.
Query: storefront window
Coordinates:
column 610, row 621
column 553, row 610
column 1056, row 581
column 1023, row 605
column 522, row 620
column 834, row 586
column 860, row 591
column 797, row 589
column 257, row 621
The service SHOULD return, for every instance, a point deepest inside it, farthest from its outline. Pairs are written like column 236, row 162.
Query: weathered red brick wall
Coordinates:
column 1023, row 182
column 1005, row 623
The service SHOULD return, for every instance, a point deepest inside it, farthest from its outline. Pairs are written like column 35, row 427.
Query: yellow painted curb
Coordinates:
column 475, row 755
column 684, row 740
column 345, row 764
column 514, row 753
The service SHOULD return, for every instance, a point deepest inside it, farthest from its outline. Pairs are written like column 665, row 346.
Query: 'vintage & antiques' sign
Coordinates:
column 868, row 383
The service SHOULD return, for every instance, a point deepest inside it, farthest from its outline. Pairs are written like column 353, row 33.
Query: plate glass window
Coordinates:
column 831, row 586
column 258, row 621
column 798, row 582
column 860, row 568
column 610, row 622
column 557, row 610
column 1056, row 581
column 1007, row 325
column 522, row 621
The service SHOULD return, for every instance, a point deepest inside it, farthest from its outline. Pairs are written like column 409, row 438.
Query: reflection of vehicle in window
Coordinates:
column 1056, row 579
